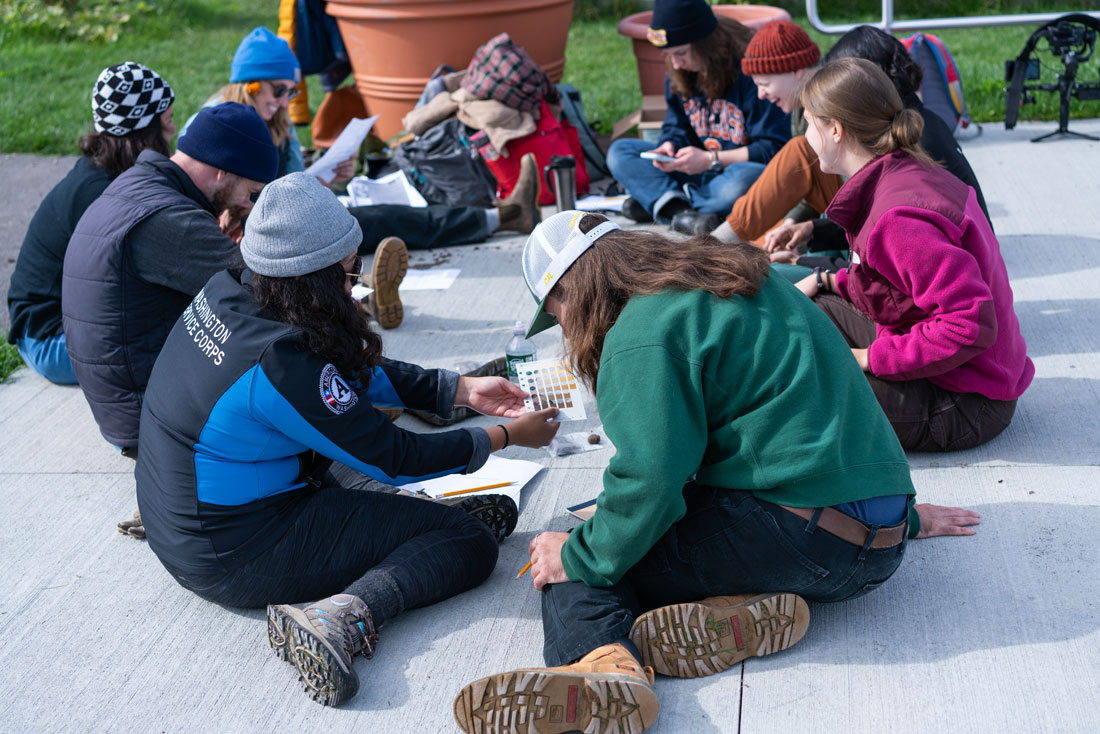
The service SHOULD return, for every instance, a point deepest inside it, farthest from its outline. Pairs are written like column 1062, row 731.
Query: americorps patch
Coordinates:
column 335, row 391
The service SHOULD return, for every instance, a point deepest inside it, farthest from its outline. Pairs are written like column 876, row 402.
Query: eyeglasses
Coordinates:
column 356, row 268
column 281, row 90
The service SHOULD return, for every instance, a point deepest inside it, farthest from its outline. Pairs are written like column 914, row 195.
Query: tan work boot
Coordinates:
column 605, row 691
column 391, row 262
column 520, row 211
column 703, row 638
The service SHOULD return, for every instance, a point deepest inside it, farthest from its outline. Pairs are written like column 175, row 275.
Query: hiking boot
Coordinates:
column 498, row 511
column 692, row 222
column 607, row 690
column 496, row 368
column 391, row 262
column 633, row 210
column 133, row 527
column 519, row 212
column 321, row 640
column 703, row 638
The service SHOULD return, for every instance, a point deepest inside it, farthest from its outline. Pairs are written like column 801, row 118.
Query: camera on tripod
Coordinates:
column 1071, row 38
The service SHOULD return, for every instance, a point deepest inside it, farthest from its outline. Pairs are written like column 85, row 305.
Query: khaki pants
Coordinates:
column 793, row 175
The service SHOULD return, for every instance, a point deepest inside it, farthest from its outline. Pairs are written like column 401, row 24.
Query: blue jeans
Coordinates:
column 710, row 193
column 729, row 542
column 48, row 357
column 342, row 532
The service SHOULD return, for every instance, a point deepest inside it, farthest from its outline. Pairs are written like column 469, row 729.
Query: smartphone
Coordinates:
column 653, row 155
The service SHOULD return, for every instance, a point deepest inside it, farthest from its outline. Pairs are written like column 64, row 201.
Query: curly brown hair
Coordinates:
column 719, row 56
column 116, row 153
column 334, row 327
column 622, row 264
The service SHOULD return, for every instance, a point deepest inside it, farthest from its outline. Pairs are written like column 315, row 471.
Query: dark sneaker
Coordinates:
column 703, row 638
column 321, row 640
column 633, row 210
column 496, row 368
column 498, row 511
column 605, row 691
column 692, row 222
column 133, row 527
column 519, row 212
column 391, row 262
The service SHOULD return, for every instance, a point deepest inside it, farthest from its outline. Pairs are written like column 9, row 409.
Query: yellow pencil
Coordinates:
column 524, row 569
column 476, row 489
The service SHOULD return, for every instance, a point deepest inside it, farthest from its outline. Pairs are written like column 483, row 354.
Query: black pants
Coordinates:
column 729, row 542
column 925, row 416
column 429, row 551
column 420, row 227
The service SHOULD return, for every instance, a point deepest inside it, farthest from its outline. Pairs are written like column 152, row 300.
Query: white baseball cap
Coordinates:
column 555, row 245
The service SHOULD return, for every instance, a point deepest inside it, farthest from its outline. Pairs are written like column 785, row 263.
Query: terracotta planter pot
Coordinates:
column 395, row 45
column 651, row 64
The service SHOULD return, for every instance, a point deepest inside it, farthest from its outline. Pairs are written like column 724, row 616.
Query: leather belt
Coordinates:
column 849, row 529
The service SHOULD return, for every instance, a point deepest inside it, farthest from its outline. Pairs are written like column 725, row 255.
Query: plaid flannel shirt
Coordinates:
column 503, row 71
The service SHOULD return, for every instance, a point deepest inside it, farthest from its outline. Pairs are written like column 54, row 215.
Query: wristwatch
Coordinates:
column 715, row 164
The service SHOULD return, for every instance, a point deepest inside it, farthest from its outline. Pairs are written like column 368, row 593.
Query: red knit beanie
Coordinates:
column 779, row 47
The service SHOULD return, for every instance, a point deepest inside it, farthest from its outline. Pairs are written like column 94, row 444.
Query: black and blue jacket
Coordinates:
column 236, row 411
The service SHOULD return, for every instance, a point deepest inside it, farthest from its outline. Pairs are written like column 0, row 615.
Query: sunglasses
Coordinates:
column 356, row 268
column 281, row 90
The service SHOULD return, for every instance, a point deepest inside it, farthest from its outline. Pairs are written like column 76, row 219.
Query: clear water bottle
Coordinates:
column 519, row 350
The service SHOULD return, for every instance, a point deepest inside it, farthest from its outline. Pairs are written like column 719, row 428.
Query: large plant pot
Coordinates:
column 395, row 45
column 651, row 63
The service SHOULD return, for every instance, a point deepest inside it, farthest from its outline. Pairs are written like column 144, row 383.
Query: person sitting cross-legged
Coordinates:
column 271, row 374
column 753, row 472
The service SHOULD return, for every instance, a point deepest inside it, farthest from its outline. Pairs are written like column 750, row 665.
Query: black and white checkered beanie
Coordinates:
column 127, row 97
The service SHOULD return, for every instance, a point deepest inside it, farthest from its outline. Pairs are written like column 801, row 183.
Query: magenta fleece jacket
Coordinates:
column 927, row 269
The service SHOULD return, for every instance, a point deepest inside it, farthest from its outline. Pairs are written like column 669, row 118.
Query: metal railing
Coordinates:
column 888, row 23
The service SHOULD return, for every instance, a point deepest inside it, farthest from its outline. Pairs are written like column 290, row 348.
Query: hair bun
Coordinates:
column 907, row 128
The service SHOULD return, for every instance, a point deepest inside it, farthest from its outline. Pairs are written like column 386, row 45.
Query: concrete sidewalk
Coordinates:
column 995, row 633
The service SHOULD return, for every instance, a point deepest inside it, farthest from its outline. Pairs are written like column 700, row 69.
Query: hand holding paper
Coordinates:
column 346, row 146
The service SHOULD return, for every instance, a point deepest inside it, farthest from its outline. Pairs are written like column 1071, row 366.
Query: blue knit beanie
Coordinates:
column 263, row 55
column 233, row 138
column 680, row 22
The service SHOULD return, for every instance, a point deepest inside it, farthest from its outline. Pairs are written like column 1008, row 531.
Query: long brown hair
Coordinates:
column 858, row 94
column 623, row 264
column 335, row 328
column 279, row 125
column 719, row 56
column 116, row 153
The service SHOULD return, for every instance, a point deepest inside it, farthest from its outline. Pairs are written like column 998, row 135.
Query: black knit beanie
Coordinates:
column 680, row 22
column 234, row 138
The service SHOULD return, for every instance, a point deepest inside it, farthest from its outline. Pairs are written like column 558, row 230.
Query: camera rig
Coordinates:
column 1072, row 38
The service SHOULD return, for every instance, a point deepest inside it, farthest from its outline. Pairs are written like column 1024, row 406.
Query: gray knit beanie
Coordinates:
column 298, row 227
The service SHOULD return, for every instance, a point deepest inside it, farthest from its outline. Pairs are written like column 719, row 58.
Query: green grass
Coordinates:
column 45, row 83
column 10, row 360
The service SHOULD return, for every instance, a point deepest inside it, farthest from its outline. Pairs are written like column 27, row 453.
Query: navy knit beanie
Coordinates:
column 233, row 138
column 680, row 22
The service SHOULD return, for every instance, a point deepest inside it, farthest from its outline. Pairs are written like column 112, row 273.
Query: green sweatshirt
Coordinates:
column 759, row 394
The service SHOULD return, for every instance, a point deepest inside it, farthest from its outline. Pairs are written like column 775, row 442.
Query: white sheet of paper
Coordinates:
column 594, row 203
column 360, row 291
column 496, row 470
column 391, row 189
column 345, row 146
column 429, row 279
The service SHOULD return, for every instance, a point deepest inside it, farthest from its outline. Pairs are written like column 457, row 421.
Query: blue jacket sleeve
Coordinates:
column 300, row 395
column 768, row 127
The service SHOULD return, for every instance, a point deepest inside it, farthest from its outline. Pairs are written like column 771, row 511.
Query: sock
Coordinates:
column 492, row 219
column 379, row 591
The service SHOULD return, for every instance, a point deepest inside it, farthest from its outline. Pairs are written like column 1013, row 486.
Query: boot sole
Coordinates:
column 319, row 668
column 552, row 702
column 498, row 511
column 696, row 639
column 391, row 262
